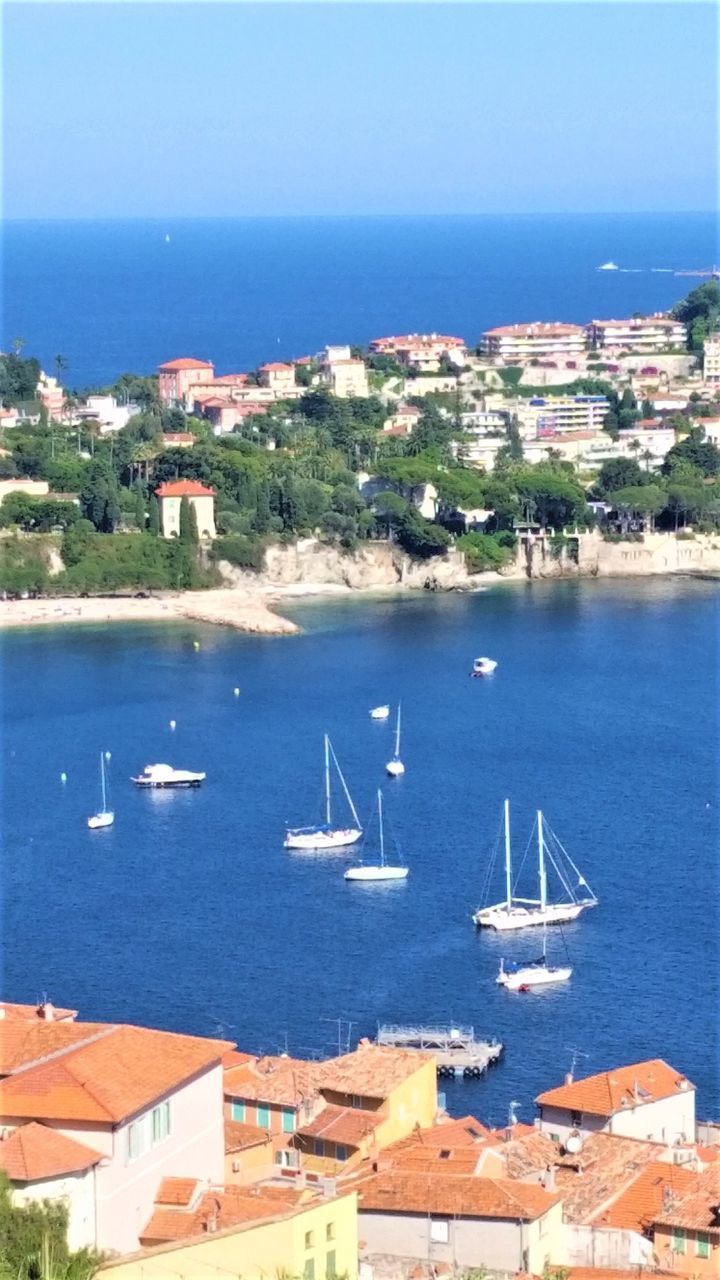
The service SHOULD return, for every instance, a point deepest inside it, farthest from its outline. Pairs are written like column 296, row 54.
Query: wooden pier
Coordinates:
column 455, row 1048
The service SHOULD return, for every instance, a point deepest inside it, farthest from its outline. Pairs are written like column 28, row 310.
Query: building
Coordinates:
column 280, row 378
column 176, row 377
column 343, row 375
column 519, row 343
column 105, row 413
column 254, row 1232
column 641, row 333
column 402, row 421
column 51, row 395
column 100, row 1113
column 711, row 359
column 687, row 1229
column 178, row 439
column 201, row 499
column 552, row 415
column 649, row 1100
column 33, row 488
column 421, row 351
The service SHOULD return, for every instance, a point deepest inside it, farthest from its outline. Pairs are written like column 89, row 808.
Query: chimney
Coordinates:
column 46, row 1011
column 548, row 1180
column 568, row 1077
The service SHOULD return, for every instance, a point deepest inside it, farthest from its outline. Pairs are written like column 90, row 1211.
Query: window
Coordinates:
column 576, row 1118
column 330, row 1269
column 702, row 1245
column 356, row 1101
column 161, row 1122
column 319, row 1147
column 330, row 1231
column 341, row 1152
column 238, row 1111
column 263, row 1117
column 309, row 1269
column 138, row 1138
column 309, row 1239
column 439, row 1230
column 288, row 1120
column 678, row 1240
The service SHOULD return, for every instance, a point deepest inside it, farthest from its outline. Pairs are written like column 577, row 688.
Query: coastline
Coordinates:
column 223, row 607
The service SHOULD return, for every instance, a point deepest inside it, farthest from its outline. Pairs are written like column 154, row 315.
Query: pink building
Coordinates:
column 176, row 377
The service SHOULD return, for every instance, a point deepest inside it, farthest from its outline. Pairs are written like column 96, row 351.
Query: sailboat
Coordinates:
column 380, row 713
column 326, row 835
column 381, row 871
column 519, row 976
column 524, row 913
column 395, row 767
column 105, row 817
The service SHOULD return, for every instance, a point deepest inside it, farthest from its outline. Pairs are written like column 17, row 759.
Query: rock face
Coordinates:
column 588, row 555
column 374, row 566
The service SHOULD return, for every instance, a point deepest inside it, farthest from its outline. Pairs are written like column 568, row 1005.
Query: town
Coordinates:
column 145, row 1153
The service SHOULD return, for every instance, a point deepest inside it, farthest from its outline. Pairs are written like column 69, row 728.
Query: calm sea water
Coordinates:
column 115, row 296
column 189, row 913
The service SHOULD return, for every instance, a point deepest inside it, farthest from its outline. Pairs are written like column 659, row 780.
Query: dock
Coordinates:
column 456, row 1049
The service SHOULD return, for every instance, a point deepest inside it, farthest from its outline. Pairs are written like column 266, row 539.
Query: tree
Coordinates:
column 698, row 451
column 139, row 507
column 700, row 311
column 60, row 366
column 188, row 531
column 618, row 473
column 33, row 1241
column 154, row 516
column 644, row 500
column 17, row 345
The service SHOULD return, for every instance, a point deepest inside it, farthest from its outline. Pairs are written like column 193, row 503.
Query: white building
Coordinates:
column 711, row 358
column 648, row 1100
column 342, row 374
column 106, row 413
column 518, row 343
column 641, row 333
column 551, row 415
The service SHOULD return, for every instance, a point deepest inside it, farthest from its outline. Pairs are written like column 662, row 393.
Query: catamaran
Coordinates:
column 395, row 767
column 523, row 975
column 380, row 871
column 326, row 835
column 104, row 817
column 524, row 913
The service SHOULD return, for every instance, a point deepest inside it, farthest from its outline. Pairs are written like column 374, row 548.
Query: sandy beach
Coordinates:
column 225, row 607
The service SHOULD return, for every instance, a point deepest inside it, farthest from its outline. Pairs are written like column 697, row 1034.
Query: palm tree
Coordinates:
column 17, row 345
column 60, row 365
column 647, row 458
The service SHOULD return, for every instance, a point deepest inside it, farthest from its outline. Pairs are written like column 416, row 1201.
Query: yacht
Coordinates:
column 609, row 266
column 327, row 835
column 104, row 816
column 379, row 713
column 163, row 775
column 483, row 667
column 395, row 767
column 379, row 870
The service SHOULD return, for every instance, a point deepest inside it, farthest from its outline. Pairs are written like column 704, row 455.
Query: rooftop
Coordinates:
column 220, row 1208
column 622, row 1088
column 276, row 367
column 184, row 489
column 280, row 1080
column 43, row 1012
column 639, row 1205
column 239, row 1136
column 471, row 1197
column 34, row 1152
column 178, row 1192
column 537, row 329
column 371, row 1071
column 346, row 1125
column 698, row 1208
column 184, row 362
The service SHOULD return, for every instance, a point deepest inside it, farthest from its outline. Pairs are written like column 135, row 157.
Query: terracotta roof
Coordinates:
column 371, row 1071
column 528, row 1150
column 697, row 1209
column 185, row 362
column 225, row 1207
column 116, row 1072
column 398, row 429
column 176, row 1191
column 639, row 1205
column 469, row 1197
column 32, row 1012
column 416, row 339
column 238, row 1136
column 539, row 329
column 34, row 1152
column 346, row 1125
column 618, row 1090
column 179, row 437
column 280, row 1080
column 276, row 367
column 604, row 1169
column 184, row 489
column 23, row 1043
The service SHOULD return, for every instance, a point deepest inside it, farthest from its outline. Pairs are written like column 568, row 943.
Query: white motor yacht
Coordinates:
column 163, row 775
column 483, row 667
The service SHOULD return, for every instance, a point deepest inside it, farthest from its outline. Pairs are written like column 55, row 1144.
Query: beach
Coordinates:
column 225, row 607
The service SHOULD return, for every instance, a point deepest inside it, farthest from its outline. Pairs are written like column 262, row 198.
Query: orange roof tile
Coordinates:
column 32, row 1012
column 225, row 1207
column 279, row 1080
column 238, row 1136
column 638, row 1206
column 116, row 1072
column 184, row 489
column 176, row 1191
column 697, row 1208
column 606, row 1273
column 34, row 1152
column 372, row 1070
column 349, row 1126
column 276, row 367
column 538, row 329
column 469, row 1197
column 608, row 1092
column 23, row 1042
column 185, row 362
column 604, row 1169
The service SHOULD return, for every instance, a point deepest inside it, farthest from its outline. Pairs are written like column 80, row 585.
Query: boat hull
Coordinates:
column 380, row 713
column 161, row 785
column 525, row 979
column 100, row 820
column 313, row 839
column 376, row 873
column 395, row 769
column 504, row 921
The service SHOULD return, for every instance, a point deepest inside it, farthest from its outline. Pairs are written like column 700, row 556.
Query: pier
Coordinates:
column 456, row 1049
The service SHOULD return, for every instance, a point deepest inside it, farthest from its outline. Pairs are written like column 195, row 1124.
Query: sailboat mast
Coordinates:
column 508, row 863
column 327, row 780
column 382, row 837
column 541, row 862
column 397, row 735
column 102, row 780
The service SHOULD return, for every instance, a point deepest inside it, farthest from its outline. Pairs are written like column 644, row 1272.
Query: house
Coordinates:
column 33, row 488
column 253, row 1232
column 202, row 499
column 278, row 377
column 105, row 413
column 711, row 359
column 178, row 439
column 344, row 377
column 687, row 1230
column 402, row 421
column 641, row 333
column 99, row 1113
column 51, row 395
column 649, row 1100
column 176, row 377
column 270, row 1096
column 552, row 415
column 459, row 1221
column 520, row 343
column 421, row 351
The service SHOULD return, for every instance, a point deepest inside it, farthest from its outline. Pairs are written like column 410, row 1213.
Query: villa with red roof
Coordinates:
column 648, row 1100
column 175, row 377
column 170, row 496
column 278, row 377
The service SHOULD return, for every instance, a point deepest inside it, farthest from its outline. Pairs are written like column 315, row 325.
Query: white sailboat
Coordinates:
column 104, row 817
column 395, row 767
column 380, row 713
column 522, row 976
column 525, row 913
column 326, row 835
column 381, row 871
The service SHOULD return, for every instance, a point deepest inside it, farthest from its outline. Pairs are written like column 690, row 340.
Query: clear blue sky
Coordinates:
column 114, row 110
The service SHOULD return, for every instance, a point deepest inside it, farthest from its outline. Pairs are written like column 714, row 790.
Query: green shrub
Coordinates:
column 244, row 551
column 484, row 551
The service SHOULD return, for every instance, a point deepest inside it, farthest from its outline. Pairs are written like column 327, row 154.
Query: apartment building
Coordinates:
column 342, row 374
column 711, row 359
column 640, row 333
column 552, row 415
column 278, row 377
column 519, row 343
column 176, row 377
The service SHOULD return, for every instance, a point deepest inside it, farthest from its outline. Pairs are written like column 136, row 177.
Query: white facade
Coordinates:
column 346, row 378
column 204, row 506
column 464, row 1242
column 667, row 1120
column 518, row 343
column 711, row 359
column 646, row 333
column 77, row 1192
column 551, row 415
column 106, row 412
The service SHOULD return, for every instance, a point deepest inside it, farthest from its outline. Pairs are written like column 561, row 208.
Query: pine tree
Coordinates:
column 262, row 514
column 185, row 531
column 154, row 522
column 139, row 511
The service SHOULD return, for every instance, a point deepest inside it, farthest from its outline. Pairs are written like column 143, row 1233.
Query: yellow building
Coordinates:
column 201, row 499
column 271, row 1231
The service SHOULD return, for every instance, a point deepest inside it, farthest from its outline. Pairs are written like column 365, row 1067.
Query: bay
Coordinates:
column 115, row 296
column 189, row 914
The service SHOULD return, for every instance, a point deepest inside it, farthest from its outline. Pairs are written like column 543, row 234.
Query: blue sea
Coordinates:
column 189, row 914
column 120, row 296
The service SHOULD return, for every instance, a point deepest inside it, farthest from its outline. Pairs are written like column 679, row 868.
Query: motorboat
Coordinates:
column 483, row 667
column 379, row 713
column 524, row 913
column 379, row 870
column 104, row 816
column 327, row 835
column 395, row 767
column 534, row 973
column 163, row 775
column 608, row 266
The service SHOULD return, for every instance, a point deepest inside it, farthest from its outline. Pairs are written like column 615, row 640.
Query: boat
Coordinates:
column 483, row 667
column 395, row 767
column 381, row 870
column 524, row 975
column 524, row 913
column 326, row 835
column 104, row 817
column 608, row 266
column 379, row 713
column 163, row 775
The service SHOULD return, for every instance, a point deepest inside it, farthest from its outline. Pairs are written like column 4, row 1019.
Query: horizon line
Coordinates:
column 258, row 217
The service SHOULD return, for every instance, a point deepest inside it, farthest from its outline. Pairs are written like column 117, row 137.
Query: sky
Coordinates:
column 232, row 109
